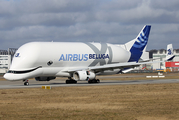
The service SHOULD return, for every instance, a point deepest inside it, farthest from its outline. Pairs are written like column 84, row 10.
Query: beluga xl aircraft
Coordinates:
column 78, row 61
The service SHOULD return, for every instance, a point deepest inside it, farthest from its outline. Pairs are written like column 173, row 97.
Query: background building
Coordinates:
column 6, row 58
column 160, row 55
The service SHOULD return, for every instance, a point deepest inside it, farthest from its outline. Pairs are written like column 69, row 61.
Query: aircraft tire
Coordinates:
column 91, row 81
column 26, row 83
column 67, row 81
column 71, row 81
column 98, row 81
column 94, row 81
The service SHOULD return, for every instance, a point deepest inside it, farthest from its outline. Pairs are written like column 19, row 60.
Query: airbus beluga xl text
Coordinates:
column 45, row 61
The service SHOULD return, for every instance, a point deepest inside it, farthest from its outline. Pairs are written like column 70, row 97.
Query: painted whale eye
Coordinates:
column 49, row 63
column 17, row 55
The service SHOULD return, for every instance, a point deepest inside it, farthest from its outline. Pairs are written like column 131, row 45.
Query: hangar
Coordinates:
column 159, row 55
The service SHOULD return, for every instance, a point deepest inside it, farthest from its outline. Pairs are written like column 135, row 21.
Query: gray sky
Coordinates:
column 111, row 21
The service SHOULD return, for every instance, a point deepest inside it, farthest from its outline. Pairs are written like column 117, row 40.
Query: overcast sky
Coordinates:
column 111, row 21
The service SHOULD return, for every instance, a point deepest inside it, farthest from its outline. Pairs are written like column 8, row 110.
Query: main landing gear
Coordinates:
column 71, row 81
column 26, row 82
column 94, row 81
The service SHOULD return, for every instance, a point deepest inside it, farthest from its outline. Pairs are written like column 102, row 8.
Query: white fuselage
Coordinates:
column 55, row 58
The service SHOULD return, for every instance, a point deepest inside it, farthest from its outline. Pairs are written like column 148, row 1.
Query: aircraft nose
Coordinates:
column 7, row 76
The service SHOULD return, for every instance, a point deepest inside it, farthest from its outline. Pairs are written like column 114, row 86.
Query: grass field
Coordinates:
column 118, row 102
column 125, row 102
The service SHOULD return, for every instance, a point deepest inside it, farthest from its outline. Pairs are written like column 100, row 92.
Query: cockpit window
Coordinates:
column 10, row 71
column 25, row 71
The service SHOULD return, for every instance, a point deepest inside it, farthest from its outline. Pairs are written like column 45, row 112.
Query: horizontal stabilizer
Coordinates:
column 127, row 70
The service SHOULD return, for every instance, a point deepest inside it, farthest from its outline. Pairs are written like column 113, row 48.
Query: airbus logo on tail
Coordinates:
column 169, row 52
column 142, row 39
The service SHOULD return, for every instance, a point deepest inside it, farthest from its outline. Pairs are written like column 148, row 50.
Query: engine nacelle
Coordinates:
column 44, row 78
column 83, row 75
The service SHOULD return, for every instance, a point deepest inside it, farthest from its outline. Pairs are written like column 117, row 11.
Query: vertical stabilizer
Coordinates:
column 170, row 54
column 136, row 46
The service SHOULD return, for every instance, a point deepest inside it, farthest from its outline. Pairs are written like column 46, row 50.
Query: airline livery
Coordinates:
column 45, row 61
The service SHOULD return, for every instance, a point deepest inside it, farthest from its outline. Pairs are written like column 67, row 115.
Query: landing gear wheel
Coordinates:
column 26, row 82
column 98, row 81
column 94, row 81
column 71, row 81
column 67, row 81
column 89, row 81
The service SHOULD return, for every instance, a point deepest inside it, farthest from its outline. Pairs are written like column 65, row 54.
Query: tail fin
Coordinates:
column 136, row 46
column 170, row 54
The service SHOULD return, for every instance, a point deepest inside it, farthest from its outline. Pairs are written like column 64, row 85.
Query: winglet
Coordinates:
column 170, row 54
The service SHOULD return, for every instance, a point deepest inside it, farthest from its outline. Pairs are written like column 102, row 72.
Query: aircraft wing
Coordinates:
column 140, row 61
column 113, row 66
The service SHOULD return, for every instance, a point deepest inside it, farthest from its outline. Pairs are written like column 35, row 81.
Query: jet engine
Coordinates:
column 44, row 78
column 83, row 75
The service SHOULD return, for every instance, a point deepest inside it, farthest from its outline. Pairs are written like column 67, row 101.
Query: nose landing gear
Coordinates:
column 26, row 82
